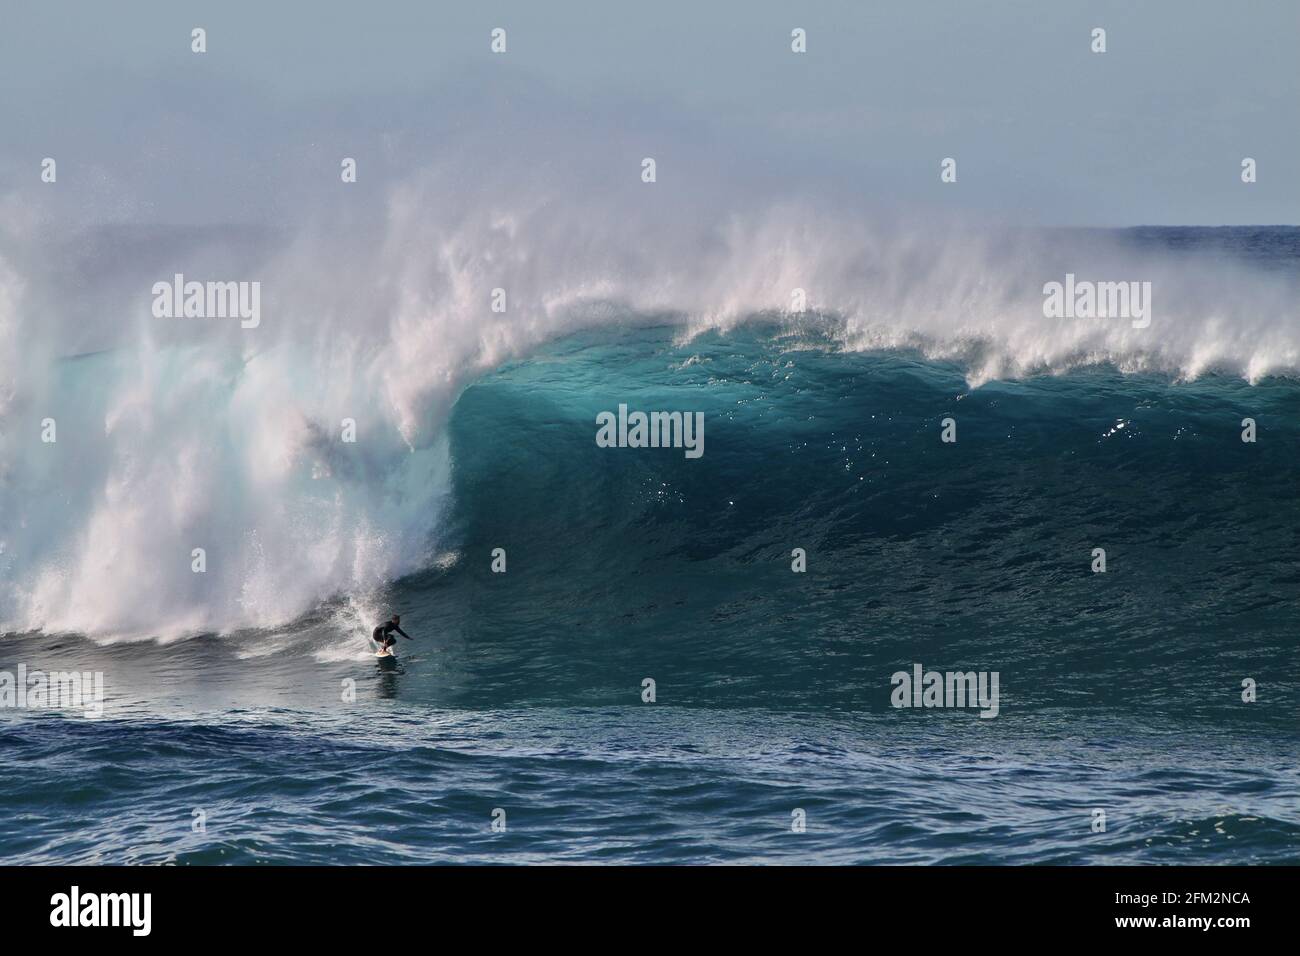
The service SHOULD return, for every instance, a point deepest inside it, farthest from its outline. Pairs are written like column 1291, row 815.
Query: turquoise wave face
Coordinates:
column 972, row 554
column 774, row 690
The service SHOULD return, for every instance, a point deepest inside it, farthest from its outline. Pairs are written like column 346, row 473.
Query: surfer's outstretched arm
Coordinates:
column 403, row 633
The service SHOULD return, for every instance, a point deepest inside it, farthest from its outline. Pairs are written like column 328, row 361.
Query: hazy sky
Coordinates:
column 1043, row 129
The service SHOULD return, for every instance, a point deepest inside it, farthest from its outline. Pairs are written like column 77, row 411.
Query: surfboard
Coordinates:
column 385, row 652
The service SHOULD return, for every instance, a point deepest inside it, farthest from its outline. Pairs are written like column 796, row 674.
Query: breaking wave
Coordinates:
column 177, row 434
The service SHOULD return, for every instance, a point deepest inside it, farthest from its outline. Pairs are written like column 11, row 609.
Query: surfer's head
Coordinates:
column 397, row 619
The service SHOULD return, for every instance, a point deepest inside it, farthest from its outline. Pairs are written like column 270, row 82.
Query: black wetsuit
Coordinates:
column 383, row 634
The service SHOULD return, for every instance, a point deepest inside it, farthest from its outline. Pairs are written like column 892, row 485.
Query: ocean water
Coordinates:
column 247, row 698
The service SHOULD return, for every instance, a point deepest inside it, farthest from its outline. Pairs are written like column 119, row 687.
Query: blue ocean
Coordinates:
column 631, row 655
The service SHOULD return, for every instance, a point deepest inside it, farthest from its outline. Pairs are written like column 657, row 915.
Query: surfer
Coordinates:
column 383, row 634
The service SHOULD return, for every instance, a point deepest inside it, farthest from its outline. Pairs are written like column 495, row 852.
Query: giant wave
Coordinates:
column 176, row 434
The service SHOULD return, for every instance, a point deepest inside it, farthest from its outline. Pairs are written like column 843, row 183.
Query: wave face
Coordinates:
column 183, row 434
column 978, row 551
